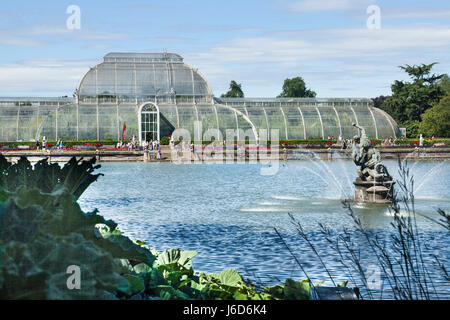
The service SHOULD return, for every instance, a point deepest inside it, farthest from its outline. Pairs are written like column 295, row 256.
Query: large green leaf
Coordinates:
column 297, row 290
column 136, row 284
column 75, row 175
column 230, row 277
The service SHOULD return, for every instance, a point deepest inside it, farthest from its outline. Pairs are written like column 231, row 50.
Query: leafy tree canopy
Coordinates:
column 445, row 84
column 296, row 88
column 410, row 100
column 235, row 91
column 436, row 120
column 378, row 101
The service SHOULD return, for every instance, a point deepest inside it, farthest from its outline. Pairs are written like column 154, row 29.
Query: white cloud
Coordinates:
column 415, row 13
column 303, row 6
column 33, row 36
column 364, row 60
column 48, row 76
column 20, row 42
column 307, row 45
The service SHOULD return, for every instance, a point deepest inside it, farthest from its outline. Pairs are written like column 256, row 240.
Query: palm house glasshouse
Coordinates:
column 156, row 93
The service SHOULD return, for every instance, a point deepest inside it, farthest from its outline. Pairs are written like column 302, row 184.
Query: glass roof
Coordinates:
column 143, row 75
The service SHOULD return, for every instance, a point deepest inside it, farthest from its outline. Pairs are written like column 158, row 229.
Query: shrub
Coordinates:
column 412, row 128
column 165, row 141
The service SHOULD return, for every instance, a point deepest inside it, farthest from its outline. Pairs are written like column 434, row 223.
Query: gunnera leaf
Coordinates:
column 22, row 277
column 19, row 224
column 297, row 290
column 97, row 269
column 230, row 277
column 177, row 259
column 75, row 175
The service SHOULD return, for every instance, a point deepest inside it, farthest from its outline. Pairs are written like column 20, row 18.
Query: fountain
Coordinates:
column 374, row 184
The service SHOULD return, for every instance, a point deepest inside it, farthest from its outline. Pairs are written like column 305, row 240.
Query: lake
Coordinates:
column 228, row 212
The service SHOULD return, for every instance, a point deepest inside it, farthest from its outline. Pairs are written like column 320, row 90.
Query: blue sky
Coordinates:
column 257, row 43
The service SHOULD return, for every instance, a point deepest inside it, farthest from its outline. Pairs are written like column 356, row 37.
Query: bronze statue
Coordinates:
column 368, row 159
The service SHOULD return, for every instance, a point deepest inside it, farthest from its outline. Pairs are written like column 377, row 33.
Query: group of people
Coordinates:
column 390, row 141
column 45, row 147
column 344, row 143
column 154, row 147
column 134, row 144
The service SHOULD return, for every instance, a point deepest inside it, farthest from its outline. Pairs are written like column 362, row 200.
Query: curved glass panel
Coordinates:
column 227, row 120
column 28, row 123
column 128, row 114
column 8, row 123
column 385, row 124
column 245, row 126
column 276, row 120
column 125, row 82
column 87, row 125
column 347, row 118
column 146, row 80
column 257, row 117
column 313, row 125
column 331, row 127
column 207, row 116
column 46, row 123
column 365, row 120
column 161, row 79
column 294, row 122
column 181, row 77
column 241, row 109
column 108, row 126
column 105, row 76
column 187, row 116
column 67, row 122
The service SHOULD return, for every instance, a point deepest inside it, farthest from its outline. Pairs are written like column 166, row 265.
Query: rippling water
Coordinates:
column 228, row 212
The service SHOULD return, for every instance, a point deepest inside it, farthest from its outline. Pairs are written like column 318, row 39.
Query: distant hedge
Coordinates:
column 66, row 144
column 283, row 142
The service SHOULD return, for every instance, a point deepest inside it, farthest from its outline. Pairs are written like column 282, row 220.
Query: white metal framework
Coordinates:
column 129, row 87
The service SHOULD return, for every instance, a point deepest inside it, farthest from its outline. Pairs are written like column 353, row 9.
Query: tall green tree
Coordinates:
column 436, row 120
column 445, row 84
column 296, row 88
column 378, row 101
column 410, row 100
column 235, row 91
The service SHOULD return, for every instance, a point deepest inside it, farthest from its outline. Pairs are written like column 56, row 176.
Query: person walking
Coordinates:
column 158, row 155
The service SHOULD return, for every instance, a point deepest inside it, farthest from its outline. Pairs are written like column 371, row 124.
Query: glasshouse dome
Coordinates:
column 152, row 94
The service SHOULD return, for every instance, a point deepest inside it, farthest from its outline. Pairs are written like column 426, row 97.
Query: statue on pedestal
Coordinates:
column 374, row 183
column 368, row 159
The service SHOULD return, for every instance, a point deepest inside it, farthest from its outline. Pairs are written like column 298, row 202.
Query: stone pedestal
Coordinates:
column 374, row 191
